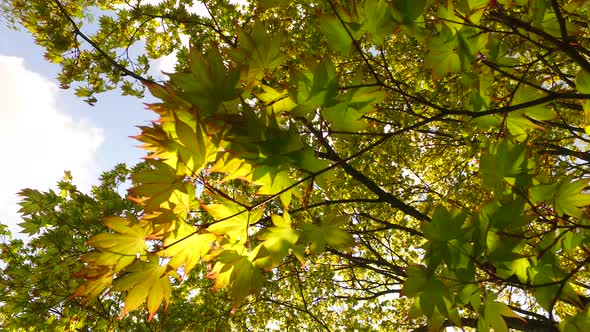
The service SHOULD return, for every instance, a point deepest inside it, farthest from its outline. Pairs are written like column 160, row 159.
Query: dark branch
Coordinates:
column 112, row 61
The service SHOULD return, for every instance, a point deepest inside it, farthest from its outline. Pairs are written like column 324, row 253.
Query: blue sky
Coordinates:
column 46, row 130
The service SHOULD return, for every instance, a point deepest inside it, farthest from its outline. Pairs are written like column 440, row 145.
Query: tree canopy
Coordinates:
column 331, row 165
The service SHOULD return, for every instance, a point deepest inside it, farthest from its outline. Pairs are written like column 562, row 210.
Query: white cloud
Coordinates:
column 38, row 141
column 198, row 8
column 163, row 65
column 167, row 63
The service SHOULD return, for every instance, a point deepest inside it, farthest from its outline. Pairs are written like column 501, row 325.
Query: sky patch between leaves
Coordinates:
column 39, row 140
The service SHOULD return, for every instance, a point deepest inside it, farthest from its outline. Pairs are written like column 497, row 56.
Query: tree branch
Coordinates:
column 112, row 61
column 370, row 184
column 562, row 45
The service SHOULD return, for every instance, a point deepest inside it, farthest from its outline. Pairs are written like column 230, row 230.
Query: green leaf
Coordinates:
column 493, row 313
column 186, row 247
column 520, row 121
column 335, row 236
column 233, row 220
column 378, row 20
column 262, row 50
column 336, row 34
column 417, row 279
column 276, row 242
column 209, row 84
column 578, row 323
column 239, row 272
column 510, row 215
column 343, row 118
column 314, row 88
column 271, row 180
column 408, row 11
column 442, row 57
column 121, row 248
column 313, row 235
column 543, row 192
column 435, row 295
column 569, row 199
column 503, row 160
column 246, row 279
column 474, row 4
column 280, row 102
column 161, row 187
column 519, row 267
column 327, row 233
column 445, row 225
column 194, row 145
column 583, row 81
column 145, row 282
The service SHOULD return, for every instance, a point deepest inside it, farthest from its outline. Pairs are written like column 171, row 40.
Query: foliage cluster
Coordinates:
column 406, row 165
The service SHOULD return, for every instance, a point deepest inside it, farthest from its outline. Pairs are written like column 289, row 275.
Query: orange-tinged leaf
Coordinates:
column 221, row 272
column 154, row 299
column 98, row 280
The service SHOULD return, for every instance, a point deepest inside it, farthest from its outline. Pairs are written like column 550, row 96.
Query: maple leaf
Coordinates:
column 186, row 247
column 145, row 282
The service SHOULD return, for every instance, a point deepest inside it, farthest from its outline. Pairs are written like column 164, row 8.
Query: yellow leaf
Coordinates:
column 186, row 247
column 145, row 282
column 97, row 280
column 233, row 219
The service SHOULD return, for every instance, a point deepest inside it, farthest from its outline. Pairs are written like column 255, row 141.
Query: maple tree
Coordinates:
column 397, row 165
